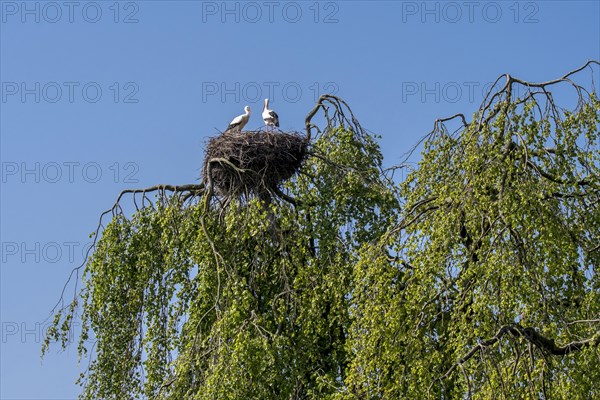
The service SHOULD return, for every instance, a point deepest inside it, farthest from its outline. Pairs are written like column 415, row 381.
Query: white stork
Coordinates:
column 238, row 123
column 269, row 116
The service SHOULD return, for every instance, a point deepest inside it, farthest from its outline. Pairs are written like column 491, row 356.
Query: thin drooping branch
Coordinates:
column 438, row 126
column 511, row 80
column 194, row 188
column 565, row 78
column 289, row 199
column 495, row 102
column 531, row 335
column 489, row 109
column 189, row 190
column 581, row 182
column 341, row 108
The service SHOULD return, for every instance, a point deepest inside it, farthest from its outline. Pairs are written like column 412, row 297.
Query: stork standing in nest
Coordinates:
column 238, row 123
column 270, row 117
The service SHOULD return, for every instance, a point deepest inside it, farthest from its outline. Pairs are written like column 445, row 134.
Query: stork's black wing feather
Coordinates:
column 275, row 117
column 232, row 126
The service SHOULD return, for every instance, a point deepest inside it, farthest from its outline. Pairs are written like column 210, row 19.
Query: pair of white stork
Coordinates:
column 269, row 116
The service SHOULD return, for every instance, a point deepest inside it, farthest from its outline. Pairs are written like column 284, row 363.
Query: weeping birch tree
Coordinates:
column 474, row 277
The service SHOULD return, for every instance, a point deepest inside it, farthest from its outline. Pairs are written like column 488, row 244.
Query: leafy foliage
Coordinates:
column 475, row 277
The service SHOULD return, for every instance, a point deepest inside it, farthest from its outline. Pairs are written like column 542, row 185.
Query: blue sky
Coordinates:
column 102, row 96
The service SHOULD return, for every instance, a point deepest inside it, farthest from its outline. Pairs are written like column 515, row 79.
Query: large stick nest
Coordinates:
column 252, row 162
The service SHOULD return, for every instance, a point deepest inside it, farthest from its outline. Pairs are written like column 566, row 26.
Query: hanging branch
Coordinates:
column 574, row 187
column 188, row 191
column 341, row 110
column 497, row 101
column 531, row 335
column 507, row 90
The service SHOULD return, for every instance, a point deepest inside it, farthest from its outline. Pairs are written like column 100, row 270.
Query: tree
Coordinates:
column 475, row 277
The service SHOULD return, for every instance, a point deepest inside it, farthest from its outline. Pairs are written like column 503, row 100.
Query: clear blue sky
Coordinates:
column 102, row 96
